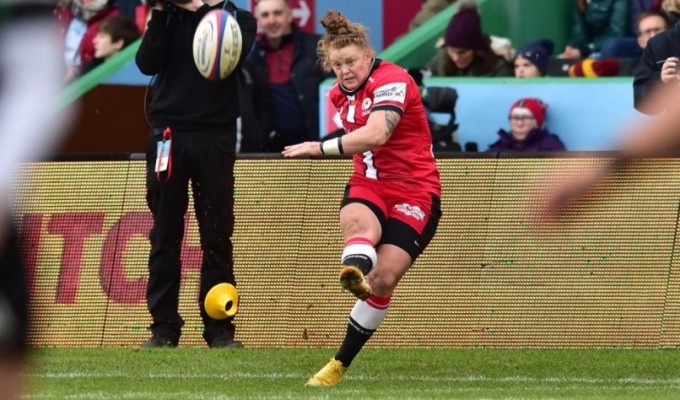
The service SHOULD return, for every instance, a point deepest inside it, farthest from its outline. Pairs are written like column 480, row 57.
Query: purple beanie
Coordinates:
column 465, row 28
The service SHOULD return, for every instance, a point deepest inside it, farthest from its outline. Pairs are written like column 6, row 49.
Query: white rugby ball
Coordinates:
column 217, row 45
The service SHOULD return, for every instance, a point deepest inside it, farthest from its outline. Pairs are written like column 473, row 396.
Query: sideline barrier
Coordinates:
column 587, row 114
column 608, row 277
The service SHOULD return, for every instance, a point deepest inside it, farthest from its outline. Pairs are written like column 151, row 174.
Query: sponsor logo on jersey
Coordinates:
column 366, row 104
column 411, row 211
column 390, row 92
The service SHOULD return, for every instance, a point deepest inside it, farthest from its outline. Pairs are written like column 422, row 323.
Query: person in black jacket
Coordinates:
column 193, row 137
column 284, row 75
column 659, row 65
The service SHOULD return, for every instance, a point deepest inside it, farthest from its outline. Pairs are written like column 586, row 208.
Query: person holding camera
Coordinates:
column 192, row 138
column 659, row 66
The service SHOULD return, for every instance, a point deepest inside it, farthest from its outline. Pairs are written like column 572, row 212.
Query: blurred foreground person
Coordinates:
column 655, row 137
column 31, row 75
column 391, row 207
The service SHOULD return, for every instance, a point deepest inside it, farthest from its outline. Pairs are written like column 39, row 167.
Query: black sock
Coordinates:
column 355, row 339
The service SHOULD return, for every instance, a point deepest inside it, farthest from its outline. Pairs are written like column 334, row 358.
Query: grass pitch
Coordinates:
column 193, row 374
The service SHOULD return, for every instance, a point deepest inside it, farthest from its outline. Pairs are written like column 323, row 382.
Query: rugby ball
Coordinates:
column 217, row 45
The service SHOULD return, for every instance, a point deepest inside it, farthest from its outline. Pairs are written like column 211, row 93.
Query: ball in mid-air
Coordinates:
column 217, row 45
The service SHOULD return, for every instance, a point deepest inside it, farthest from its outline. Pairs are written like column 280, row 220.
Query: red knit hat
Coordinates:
column 535, row 106
column 591, row 68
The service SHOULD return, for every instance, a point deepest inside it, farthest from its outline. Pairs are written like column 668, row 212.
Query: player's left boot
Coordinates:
column 352, row 279
column 330, row 375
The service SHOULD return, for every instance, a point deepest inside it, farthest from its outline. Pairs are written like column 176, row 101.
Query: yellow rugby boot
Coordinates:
column 352, row 279
column 330, row 375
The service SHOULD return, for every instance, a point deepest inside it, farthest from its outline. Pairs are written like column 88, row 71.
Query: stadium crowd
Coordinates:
column 606, row 38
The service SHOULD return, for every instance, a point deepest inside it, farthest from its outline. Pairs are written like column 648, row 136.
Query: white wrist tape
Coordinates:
column 332, row 147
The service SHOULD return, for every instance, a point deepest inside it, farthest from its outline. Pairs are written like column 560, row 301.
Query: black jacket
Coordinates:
column 180, row 96
column 648, row 71
column 306, row 75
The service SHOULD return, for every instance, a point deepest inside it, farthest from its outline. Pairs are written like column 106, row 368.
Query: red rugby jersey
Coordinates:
column 407, row 156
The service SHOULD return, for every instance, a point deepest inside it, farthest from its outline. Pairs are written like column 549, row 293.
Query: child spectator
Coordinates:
column 467, row 51
column 114, row 34
column 80, row 20
column 526, row 129
column 531, row 60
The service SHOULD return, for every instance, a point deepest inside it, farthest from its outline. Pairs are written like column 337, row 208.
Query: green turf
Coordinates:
column 376, row 374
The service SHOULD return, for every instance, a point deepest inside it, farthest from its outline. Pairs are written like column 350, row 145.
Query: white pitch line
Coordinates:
column 281, row 396
column 248, row 375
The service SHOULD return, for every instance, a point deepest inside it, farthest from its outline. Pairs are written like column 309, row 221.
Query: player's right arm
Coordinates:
column 376, row 132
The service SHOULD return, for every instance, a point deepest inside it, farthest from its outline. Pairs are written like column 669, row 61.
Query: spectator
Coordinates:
column 672, row 10
column 285, row 77
column 531, row 60
column 595, row 21
column 526, row 129
column 430, row 9
column 648, row 24
column 192, row 138
column 659, row 65
column 114, row 34
column 467, row 51
column 81, row 20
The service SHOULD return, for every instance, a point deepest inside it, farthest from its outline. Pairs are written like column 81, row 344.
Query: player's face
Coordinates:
column 274, row 18
column 521, row 123
column 525, row 69
column 461, row 57
column 351, row 64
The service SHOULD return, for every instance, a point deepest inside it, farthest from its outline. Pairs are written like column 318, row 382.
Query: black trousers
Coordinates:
column 207, row 160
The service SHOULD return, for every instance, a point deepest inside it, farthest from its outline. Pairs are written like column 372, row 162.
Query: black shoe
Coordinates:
column 225, row 342
column 158, row 342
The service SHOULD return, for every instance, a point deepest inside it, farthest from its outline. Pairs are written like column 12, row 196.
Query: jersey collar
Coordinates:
column 376, row 64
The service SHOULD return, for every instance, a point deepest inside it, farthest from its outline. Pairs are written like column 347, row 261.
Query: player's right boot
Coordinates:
column 330, row 375
column 352, row 280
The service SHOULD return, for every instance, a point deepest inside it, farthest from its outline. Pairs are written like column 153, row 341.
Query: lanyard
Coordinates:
column 164, row 156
